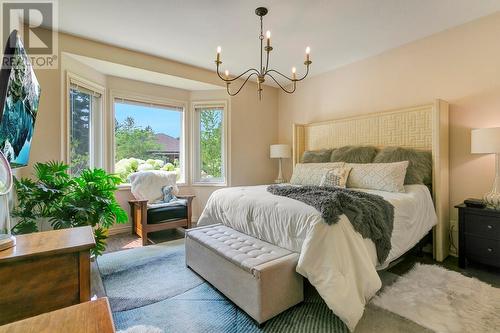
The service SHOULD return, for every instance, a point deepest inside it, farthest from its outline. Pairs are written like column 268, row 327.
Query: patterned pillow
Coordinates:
column 336, row 177
column 420, row 163
column 311, row 173
column 168, row 195
column 388, row 177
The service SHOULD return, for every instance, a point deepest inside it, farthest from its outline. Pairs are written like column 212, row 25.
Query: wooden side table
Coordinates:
column 88, row 317
column 479, row 235
column 45, row 271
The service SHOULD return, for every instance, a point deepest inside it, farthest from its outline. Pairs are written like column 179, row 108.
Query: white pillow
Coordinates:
column 147, row 185
column 336, row 177
column 312, row 173
column 388, row 177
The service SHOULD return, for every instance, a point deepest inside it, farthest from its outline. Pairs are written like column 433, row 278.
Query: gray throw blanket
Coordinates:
column 369, row 214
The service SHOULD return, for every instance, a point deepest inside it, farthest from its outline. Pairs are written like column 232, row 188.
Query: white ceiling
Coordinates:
column 139, row 74
column 338, row 31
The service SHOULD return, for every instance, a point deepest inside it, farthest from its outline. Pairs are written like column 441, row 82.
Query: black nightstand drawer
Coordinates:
column 483, row 226
column 483, row 250
column 479, row 235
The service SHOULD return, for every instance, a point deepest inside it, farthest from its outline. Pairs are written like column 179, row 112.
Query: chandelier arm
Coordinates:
column 275, row 71
column 246, row 80
column 237, row 77
column 307, row 72
column 283, row 88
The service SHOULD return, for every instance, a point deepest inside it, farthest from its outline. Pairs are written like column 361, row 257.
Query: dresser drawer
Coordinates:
column 482, row 225
column 483, row 250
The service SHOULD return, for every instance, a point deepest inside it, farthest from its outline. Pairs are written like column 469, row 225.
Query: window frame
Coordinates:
column 96, row 153
column 195, row 146
column 151, row 100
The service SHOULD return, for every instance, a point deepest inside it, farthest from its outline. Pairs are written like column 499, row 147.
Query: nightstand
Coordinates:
column 479, row 235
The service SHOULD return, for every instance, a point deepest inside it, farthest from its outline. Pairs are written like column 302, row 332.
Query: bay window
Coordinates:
column 85, row 105
column 209, row 143
column 148, row 136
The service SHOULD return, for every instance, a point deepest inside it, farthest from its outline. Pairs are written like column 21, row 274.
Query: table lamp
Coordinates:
column 280, row 151
column 487, row 141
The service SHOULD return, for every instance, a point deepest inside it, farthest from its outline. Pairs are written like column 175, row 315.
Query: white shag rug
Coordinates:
column 443, row 301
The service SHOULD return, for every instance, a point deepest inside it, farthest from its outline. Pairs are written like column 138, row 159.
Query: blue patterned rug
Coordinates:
column 152, row 286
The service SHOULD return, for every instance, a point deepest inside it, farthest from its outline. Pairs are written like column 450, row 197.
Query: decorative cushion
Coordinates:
column 316, row 156
column 354, row 154
column 148, row 185
column 168, row 212
column 311, row 173
column 420, row 163
column 378, row 176
column 336, row 177
column 168, row 195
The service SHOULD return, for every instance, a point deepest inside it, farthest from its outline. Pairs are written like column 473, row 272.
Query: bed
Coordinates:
column 336, row 259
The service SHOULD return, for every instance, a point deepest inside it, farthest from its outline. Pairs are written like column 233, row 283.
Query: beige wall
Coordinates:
column 461, row 66
column 253, row 124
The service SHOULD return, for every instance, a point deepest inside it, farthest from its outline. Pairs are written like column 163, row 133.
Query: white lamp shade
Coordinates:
column 485, row 140
column 280, row 151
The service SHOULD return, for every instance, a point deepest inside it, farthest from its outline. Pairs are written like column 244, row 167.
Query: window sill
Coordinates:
column 127, row 187
column 124, row 187
column 208, row 184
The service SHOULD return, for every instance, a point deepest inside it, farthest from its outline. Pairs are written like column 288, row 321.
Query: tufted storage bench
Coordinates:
column 258, row 277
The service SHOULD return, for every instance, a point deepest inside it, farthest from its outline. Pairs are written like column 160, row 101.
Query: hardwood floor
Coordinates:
column 125, row 241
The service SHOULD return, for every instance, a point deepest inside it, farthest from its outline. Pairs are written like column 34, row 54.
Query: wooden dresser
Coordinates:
column 45, row 271
column 479, row 236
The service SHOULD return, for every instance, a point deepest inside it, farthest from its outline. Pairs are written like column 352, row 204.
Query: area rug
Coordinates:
column 443, row 300
column 138, row 277
column 151, row 286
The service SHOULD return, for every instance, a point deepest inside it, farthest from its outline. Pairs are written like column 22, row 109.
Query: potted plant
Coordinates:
column 68, row 201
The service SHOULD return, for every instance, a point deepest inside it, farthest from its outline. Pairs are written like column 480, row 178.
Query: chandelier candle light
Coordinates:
column 263, row 71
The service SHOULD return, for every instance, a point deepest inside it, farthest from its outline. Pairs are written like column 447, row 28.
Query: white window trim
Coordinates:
column 225, row 143
column 96, row 122
column 115, row 94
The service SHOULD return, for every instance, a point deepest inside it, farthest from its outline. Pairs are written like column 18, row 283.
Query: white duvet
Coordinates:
column 335, row 259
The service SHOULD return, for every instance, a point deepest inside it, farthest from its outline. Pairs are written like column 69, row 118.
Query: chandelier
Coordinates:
column 263, row 71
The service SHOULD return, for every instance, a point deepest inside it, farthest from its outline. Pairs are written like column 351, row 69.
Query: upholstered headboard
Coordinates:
column 420, row 127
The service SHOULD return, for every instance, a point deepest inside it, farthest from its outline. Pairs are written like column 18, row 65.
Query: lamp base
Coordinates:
column 280, row 179
column 492, row 200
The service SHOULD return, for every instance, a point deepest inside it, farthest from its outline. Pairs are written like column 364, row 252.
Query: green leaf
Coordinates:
column 68, row 201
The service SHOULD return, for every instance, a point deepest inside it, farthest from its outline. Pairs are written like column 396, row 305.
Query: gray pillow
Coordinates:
column 420, row 163
column 316, row 156
column 354, row 154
